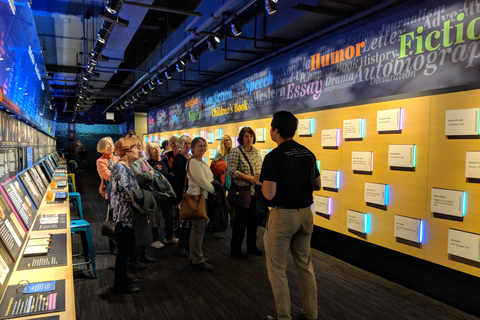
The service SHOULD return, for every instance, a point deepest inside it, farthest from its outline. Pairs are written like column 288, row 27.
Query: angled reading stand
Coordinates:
column 36, row 275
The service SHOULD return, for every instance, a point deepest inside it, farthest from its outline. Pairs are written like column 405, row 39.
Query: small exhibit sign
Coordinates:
column 264, row 152
column 376, row 193
column 472, row 165
column 218, row 134
column 212, row 153
column 464, row 244
column 330, row 137
column 353, row 128
column 402, row 155
column 203, row 134
column 463, row 122
column 449, row 202
column 322, row 204
column 357, row 221
column 409, row 228
column 390, row 120
column 305, row 127
column 330, row 179
column 260, row 134
column 362, row 161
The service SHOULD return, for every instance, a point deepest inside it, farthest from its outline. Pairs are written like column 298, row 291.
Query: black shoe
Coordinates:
column 127, row 289
column 147, row 259
column 270, row 318
column 239, row 254
column 136, row 265
column 132, row 280
column 204, row 266
column 255, row 251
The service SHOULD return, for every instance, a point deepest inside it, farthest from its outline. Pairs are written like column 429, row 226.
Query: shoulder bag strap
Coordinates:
column 201, row 189
column 251, row 168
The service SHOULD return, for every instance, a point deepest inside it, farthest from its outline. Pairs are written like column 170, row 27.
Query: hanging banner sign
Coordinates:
column 413, row 47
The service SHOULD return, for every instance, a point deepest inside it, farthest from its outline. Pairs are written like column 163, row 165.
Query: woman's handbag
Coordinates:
column 192, row 207
column 239, row 195
column 112, row 228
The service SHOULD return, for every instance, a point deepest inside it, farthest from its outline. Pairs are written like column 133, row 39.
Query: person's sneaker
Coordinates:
column 170, row 241
column 158, row 244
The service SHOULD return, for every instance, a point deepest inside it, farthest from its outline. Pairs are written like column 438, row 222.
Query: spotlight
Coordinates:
column 159, row 81
column 236, row 29
column 193, row 57
column 139, row 94
column 270, row 6
column 151, row 85
column 183, row 61
column 218, row 37
column 167, row 75
column 211, row 44
column 134, row 98
column 179, row 66
column 144, row 90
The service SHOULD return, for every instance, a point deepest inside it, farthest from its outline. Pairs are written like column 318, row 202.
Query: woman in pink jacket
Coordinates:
column 104, row 164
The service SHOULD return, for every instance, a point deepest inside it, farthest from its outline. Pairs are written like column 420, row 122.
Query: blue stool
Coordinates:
column 70, row 187
column 75, row 196
column 83, row 227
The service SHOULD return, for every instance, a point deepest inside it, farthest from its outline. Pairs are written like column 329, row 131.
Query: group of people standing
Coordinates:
column 287, row 178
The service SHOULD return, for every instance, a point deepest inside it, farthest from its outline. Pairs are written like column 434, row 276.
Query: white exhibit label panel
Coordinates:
column 218, row 134
column 322, row 204
column 402, row 155
column 362, row 161
column 390, row 120
column 260, row 134
column 203, row 134
column 330, row 179
column 305, row 127
column 330, row 137
column 449, row 202
column 264, row 152
column 472, row 165
column 462, row 122
column 464, row 244
column 357, row 221
column 211, row 153
column 376, row 193
column 353, row 128
column 409, row 229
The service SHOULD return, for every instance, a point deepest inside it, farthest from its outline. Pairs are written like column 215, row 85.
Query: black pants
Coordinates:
column 126, row 244
column 168, row 213
column 245, row 218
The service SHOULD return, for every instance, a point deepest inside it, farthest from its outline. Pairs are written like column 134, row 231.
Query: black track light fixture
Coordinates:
column 168, row 75
column 159, row 81
column 179, row 65
column 211, row 44
column 193, row 56
column 271, row 6
column 217, row 37
column 236, row 28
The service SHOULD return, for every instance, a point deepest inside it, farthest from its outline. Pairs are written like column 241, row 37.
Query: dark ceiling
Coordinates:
column 89, row 77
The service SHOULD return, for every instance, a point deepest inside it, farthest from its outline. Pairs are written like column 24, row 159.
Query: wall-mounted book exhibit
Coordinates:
column 402, row 155
column 409, row 229
column 330, row 179
column 19, row 199
column 322, row 205
column 362, row 161
column 330, row 138
column 358, row 221
column 472, row 165
column 211, row 153
column 12, row 235
column 464, row 244
column 31, row 188
column 376, row 193
column 448, row 202
column 390, row 120
column 353, row 129
column 203, row 134
column 218, row 134
column 305, row 127
column 211, row 137
column 463, row 122
column 260, row 134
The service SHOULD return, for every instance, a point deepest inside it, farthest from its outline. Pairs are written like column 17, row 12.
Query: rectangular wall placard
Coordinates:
column 449, row 202
column 472, row 165
column 362, row 161
column 305, row 127
column 330, row 179
column 377, row 193
column 322, row 205
column 409, row 228
column 357, row 221
column 390, row 120
column 402, row 155
column 260, row 134
column 212, row 153
column 464, row 244
column 330, row 137
column 264, row 152
column 463, row 122
column 354, row 128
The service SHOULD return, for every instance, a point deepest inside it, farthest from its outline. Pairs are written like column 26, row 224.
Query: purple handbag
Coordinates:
column 239, row 195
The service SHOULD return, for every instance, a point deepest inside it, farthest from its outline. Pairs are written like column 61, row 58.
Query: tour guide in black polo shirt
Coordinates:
column 289, row 176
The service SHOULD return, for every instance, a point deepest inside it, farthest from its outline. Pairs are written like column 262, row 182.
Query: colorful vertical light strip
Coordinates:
column 414, row 163
column 176, row 135
column 264, row 134
column 366, row 223
column 236, row 141
column 337, row 182
column 464, row 203
column 187, row 134
column 401, row 118
column 212, row 137
column 362, row 128
column 146, row 139
column 196, row 136
column 387, row 194
column 153, row 139
column 371, row 164
column 338, row 137
column 214, row 153
column 312, row 126
column 420, row 233
column 205, row 159
column 318, row 166
column 220, row 133
column 329, row 206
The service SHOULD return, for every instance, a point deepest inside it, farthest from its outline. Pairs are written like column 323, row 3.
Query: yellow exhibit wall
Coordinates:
column 440, row 163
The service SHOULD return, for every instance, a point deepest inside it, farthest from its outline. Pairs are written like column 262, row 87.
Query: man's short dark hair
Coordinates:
column 285, row 122
column 242, row 133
